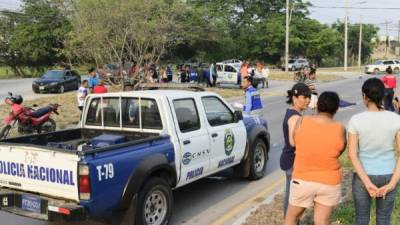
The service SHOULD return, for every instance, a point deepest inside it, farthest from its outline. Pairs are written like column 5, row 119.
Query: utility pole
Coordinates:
column 398, row 35
column 360, row 44
column 345, row 36
column 287, row 37
column 387, row 43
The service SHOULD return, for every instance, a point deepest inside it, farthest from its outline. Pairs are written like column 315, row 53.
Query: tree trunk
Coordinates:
column 16, row 71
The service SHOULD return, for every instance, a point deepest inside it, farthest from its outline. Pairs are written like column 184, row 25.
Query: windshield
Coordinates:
column 291, row 61
column 53, row 74
column 378, row 62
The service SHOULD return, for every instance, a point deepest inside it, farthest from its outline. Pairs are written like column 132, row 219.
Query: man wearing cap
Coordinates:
column 253, row 105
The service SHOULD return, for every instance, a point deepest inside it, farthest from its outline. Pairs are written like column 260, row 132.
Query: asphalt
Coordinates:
column 220, row 199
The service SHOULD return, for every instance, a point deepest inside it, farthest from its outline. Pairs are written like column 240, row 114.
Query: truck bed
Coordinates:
column 79, row 140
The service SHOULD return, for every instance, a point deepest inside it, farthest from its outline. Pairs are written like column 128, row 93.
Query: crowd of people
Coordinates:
column 202, row 73
column 314, row 143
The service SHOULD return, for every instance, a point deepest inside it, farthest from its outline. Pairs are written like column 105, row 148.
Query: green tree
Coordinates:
column 115, row 30
column 33, row 37
column 39, row 34
column 8, row 57
column 316, row 41
column 370, row 32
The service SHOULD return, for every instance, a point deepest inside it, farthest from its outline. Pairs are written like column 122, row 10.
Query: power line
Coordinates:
column 352, row 7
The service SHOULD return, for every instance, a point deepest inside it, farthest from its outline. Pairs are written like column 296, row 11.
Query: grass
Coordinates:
column 227, row 92
column 345, row 212
column 7, row 73
column 280, row 75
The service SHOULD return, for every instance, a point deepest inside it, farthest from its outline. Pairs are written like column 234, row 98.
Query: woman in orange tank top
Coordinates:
column 320, row 141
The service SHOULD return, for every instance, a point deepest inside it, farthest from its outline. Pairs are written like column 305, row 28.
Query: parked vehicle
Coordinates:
column 132, row 148
column 57, row 81
column 235, row 62
column 296, row 64
column 228, row 73
column 382, row 65
column 192, row 63
column 112, row 73
column 28, row 119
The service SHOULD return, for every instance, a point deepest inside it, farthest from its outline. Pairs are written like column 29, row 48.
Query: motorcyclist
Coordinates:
column 300, row 76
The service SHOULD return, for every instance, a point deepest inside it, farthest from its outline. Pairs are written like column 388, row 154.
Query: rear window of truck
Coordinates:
column 124, row 112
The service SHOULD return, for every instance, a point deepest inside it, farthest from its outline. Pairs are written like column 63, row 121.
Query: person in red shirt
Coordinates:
column 100, row 88
column 390, row 82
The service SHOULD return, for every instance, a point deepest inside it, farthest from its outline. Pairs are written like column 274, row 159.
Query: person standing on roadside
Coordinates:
column 243, row 71
column 93, row 79
column 374, row 137
column 214, row 73
column 390, row 82
column 253, row 105
column 311, row 82
column 133, row 70
column 81, row 94
column 164, row 76
column 100, row 88
column 298, row 99
column 169, row 73
column 319, row 141
column 185, row 75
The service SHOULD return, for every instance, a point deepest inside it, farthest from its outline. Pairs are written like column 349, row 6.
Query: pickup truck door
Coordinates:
column 221, row 74
column 227, row 138
column 231, row 74
column 193, row 140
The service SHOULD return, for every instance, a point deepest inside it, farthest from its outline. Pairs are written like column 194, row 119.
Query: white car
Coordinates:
column 382, row 65
column 228, row 73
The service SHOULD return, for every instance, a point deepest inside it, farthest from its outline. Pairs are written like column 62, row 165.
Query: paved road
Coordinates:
column 22, row 87
column 222, row 198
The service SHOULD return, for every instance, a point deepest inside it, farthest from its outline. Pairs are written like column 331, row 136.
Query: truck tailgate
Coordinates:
column 37, row 170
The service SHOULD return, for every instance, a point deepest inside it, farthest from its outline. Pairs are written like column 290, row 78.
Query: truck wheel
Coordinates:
column 154, row 203
column 258, row 160
column 376, row 71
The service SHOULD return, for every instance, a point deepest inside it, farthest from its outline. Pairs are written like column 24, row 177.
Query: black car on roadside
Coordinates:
column 57, row 81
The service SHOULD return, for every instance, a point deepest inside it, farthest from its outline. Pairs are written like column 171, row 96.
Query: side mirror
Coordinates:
column 237, row 116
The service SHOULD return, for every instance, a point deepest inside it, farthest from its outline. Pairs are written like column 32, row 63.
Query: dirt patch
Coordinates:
column 227, row 92
column 272, row 213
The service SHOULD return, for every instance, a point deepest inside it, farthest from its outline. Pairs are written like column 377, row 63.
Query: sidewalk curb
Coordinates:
column 242, row 219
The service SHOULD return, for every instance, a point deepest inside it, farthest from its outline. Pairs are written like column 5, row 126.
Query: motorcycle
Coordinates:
column 29, row 120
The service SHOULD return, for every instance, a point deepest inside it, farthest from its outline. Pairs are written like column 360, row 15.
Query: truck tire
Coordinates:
column 154, row 203
column 258, row 160
column 376, row 71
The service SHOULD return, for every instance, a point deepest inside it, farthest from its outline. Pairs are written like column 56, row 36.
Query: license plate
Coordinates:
column 41, row 88
column 31, row 203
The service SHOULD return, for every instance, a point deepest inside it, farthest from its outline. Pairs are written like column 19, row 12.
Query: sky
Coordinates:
column 375, row 16
column 328, row 15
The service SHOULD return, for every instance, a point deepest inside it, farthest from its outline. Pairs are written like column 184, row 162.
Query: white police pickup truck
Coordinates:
column 131, row 150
